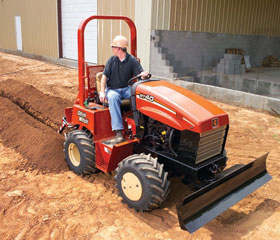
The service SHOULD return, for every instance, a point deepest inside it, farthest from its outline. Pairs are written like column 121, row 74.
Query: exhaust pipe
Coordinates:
column 234, row 184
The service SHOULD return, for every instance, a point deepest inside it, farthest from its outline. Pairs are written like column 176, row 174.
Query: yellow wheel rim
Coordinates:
column 131, row 186
column 74, row 154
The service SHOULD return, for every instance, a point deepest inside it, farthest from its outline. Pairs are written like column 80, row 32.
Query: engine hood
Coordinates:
column 178, row 107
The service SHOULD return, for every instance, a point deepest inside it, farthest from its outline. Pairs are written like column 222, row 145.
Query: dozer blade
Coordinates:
column 235, row 183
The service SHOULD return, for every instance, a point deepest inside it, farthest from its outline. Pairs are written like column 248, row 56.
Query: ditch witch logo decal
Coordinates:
column 82, row 117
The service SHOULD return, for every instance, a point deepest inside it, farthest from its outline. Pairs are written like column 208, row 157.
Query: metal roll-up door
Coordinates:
column 72, row 13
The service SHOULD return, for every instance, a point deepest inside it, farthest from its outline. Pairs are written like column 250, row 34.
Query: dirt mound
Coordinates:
column 29, row 120
column 47, row 109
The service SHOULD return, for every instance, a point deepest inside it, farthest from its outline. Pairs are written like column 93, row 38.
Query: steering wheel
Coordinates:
column 137, row 78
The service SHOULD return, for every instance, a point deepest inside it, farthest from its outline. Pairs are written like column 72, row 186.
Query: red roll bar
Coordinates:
column 81, row 48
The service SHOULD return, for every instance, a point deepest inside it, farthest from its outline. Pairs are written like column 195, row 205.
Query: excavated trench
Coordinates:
column 29, row 123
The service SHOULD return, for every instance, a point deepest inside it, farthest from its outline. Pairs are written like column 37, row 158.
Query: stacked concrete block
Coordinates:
column 163, row 64
column 242, row 68
column 275, row 90
column 200, row 51
column 230, row 65
column 263, row 88
column 208, row 78
column 249, row 85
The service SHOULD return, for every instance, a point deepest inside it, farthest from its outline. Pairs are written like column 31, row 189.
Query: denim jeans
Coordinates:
column 115, row 97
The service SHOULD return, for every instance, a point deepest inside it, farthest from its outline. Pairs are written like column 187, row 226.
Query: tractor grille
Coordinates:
column 210, row 144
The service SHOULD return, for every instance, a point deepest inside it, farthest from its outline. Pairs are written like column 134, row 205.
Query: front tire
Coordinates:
column 80, row 153
column 142, row 182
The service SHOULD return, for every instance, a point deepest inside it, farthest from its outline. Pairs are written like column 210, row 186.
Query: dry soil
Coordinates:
column 41, row 199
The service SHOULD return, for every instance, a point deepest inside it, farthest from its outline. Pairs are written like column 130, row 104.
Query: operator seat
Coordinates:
column 125, row 102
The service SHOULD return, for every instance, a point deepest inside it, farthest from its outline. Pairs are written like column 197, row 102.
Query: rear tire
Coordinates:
column 142, row 182
column 80, row 153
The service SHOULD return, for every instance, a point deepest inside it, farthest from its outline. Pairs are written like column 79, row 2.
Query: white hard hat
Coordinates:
column 120, row 41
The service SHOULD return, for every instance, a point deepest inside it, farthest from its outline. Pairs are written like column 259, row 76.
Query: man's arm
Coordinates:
column 102, row 95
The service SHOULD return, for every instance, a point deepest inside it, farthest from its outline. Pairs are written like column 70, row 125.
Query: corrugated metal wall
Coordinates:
column 108, row 29
column 7, row 22
column 161, row 10
column 252, row 17
column 38, row 22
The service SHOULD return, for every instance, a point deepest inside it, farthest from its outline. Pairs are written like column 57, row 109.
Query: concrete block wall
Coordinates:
column 159, row 65
column 162, row 63
column 189, row 52
column 265, row 85
column 260, row 87
column 254, row 86
column 275, row 90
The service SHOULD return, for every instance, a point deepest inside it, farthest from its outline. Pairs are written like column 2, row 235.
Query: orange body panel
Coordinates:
column 107, row 158
column 178, row 107
column 98, row 121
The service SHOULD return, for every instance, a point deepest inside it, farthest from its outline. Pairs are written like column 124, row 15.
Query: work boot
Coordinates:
column 117, row 139
column 119, row 136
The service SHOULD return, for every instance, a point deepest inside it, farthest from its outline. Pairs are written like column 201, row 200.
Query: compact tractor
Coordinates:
column 166, row 129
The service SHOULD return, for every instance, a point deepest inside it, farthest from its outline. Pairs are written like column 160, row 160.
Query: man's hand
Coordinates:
column 144, row 75
column 102, row 97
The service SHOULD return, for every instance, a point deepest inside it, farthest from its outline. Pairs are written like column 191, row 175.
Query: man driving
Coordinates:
column 114, row 82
